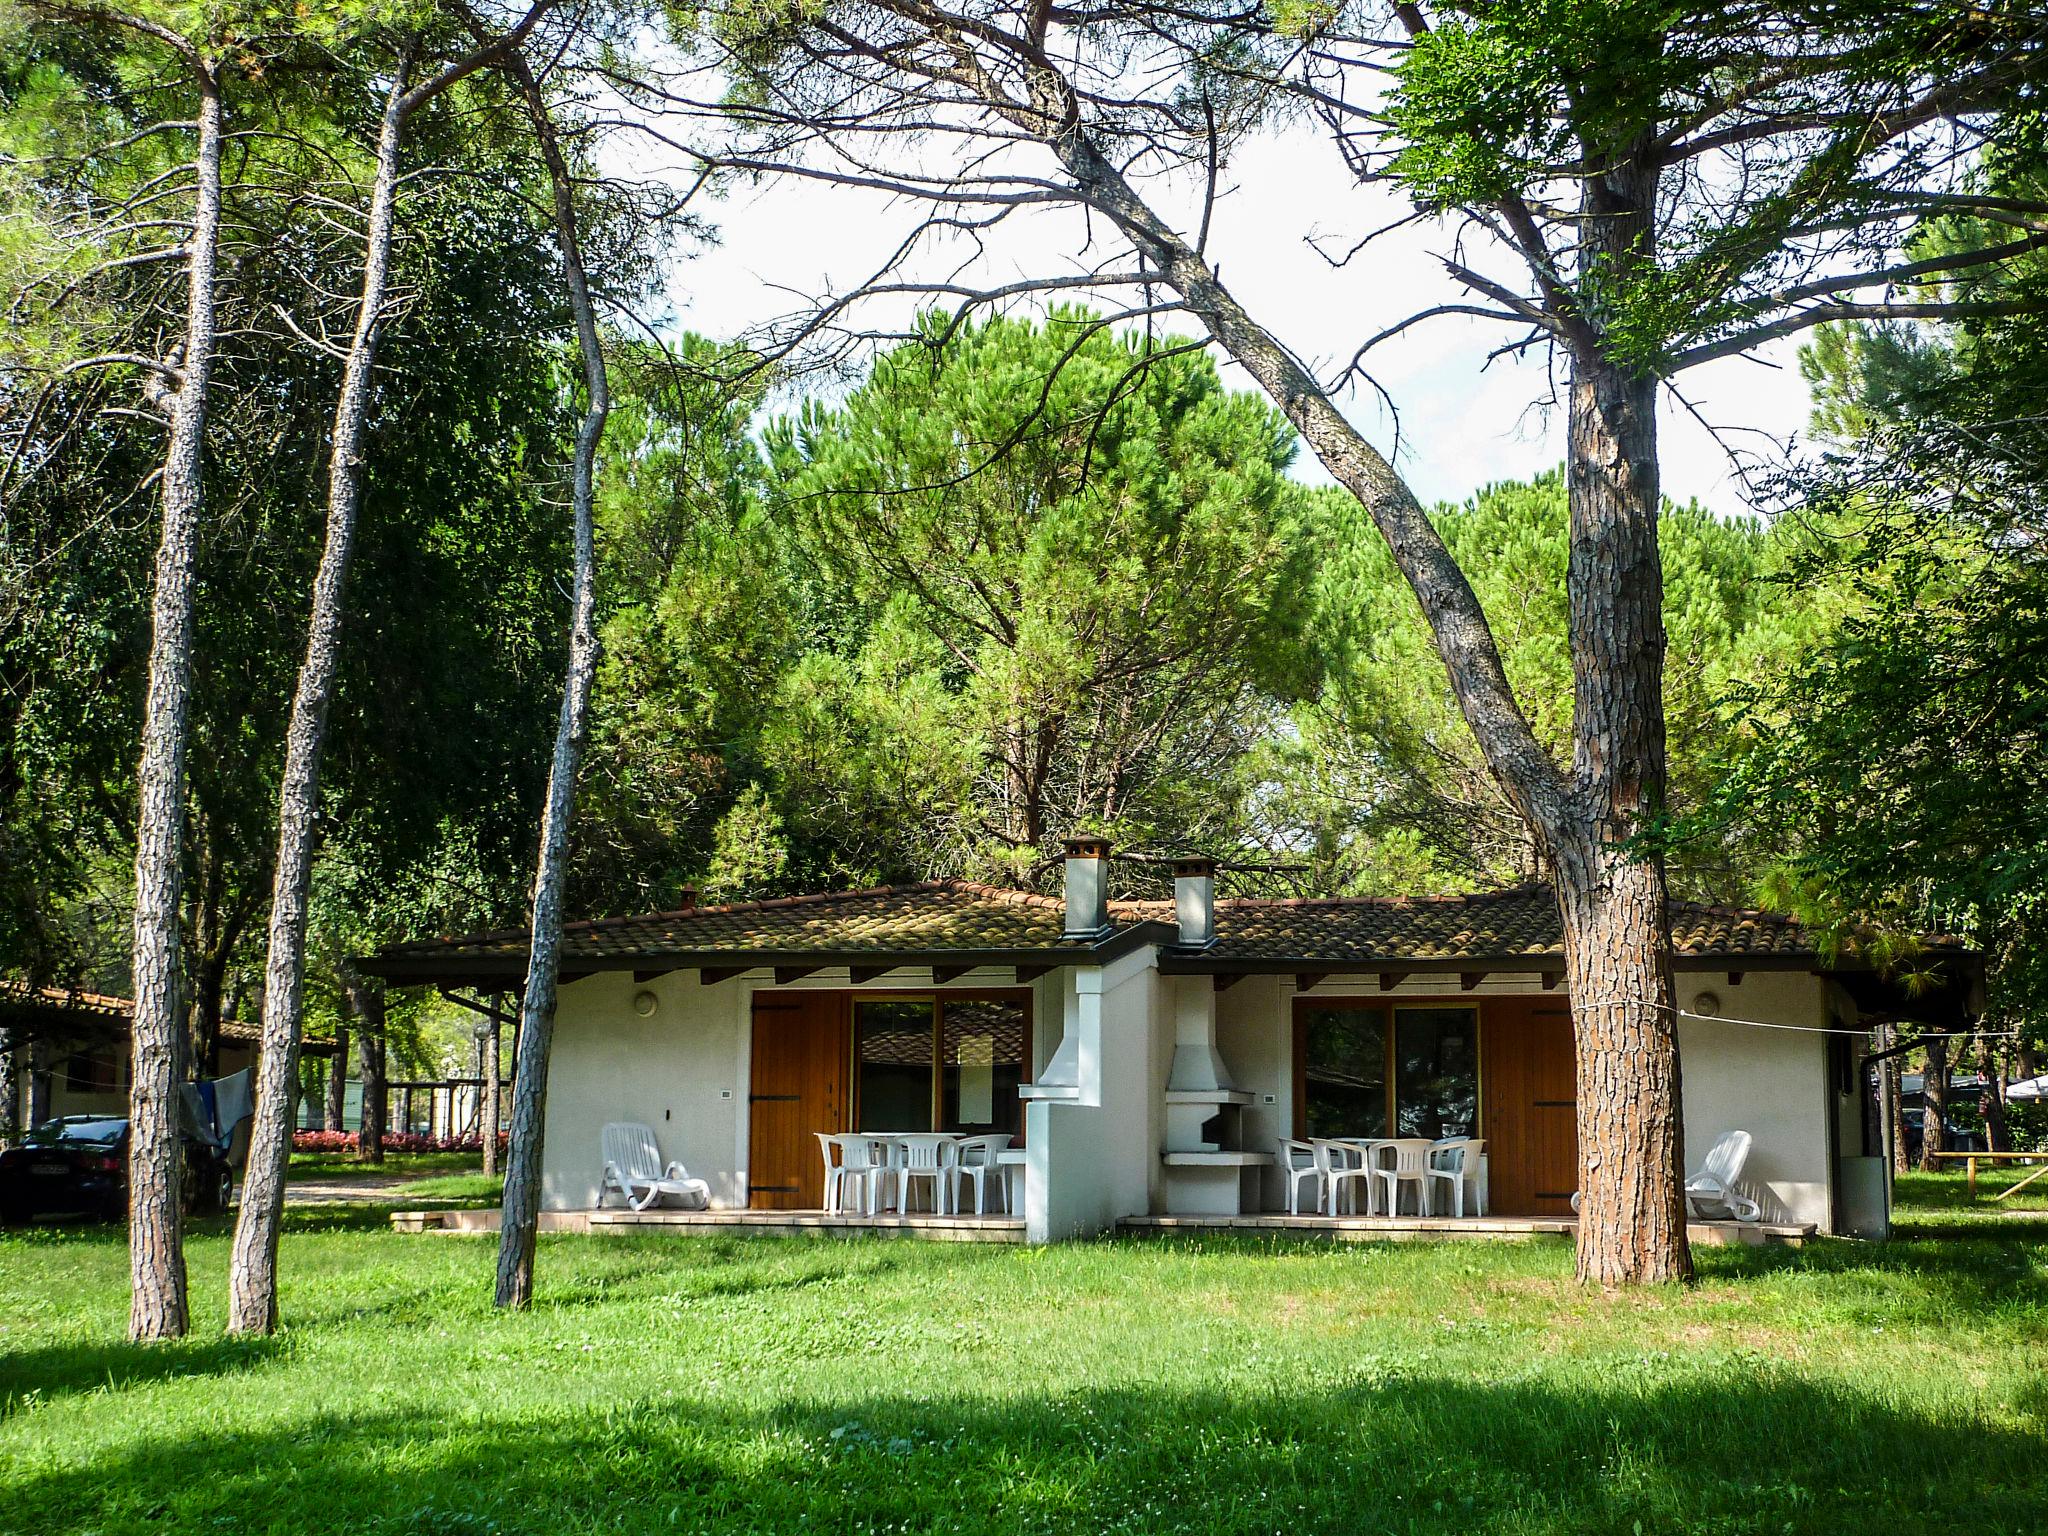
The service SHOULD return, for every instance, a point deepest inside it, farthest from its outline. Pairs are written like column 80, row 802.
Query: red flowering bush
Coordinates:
column 401, row 1142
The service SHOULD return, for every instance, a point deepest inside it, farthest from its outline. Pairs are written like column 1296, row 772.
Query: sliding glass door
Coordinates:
column 1375, row 1069
column 941, row 1063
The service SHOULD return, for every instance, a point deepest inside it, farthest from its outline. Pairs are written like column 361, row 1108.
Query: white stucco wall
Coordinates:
column 1095, row 1159
column 1772, row 1083
column 683, row 1072
column 1255, row 1038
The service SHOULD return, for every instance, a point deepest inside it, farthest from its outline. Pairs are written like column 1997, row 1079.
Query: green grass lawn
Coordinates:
column 788, row 1385
column 345, row 1165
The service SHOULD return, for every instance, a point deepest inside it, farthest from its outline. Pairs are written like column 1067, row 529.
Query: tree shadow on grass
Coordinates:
column 1377, row 1451
column 1982, row 1269
column 32, row 1376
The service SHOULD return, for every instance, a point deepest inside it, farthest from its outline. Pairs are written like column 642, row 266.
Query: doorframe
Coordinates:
column 844, row 997
column 938, row 997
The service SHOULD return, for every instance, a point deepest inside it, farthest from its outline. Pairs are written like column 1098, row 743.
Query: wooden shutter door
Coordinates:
column 798, row 1089
column 1528, row 1083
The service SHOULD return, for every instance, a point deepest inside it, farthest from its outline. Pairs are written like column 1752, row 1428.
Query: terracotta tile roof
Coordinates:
column 1520, row 923
column 66, row 1000
column 937, row 916
column 100, row 1008
column 941, row 917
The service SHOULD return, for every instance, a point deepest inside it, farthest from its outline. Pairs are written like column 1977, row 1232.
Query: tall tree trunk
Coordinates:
column 521, row 1216
column 10, row 1090
column 1894, row 1116
column 38, row 1081
column 487, row 1130
column 252, row 1274
column 1617, row 932
column 157, row 1304
column 1631, row 1226
column 1934, row 1105
column 366, row 1003
column 1997, row 1135
column 336, row 1114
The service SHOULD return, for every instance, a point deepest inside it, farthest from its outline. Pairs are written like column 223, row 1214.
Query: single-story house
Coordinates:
column 1149, row 1056
column 72, row 1053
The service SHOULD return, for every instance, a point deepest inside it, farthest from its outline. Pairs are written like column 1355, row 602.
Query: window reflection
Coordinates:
column 1436, row 1071
column 982, row 1064
column 947, row 1064
column 892, row 1052
column 1345, row 1072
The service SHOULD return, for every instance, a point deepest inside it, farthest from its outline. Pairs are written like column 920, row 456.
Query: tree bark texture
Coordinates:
column 10, row 1090
column 366, row 1004
column 1613, row 897
column 1997, row 1135
column 487, row 1111
column 1894, row 1105
column 521, row 1215
column 252, row 1273
column 336, row 1113
column 1934, row 1105
column 38, row 1081
column 157, row 1304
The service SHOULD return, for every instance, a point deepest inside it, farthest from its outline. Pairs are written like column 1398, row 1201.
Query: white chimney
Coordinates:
column 1087, row 886
column 1194, row 901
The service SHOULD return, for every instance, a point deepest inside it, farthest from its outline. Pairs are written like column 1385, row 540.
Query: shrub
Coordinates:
column 401, row 1142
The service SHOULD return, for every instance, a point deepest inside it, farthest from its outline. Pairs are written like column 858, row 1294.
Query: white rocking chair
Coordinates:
column 633, row 1167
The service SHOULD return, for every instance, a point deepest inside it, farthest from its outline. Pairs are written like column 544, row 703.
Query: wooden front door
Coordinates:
column 1528, row 1082
column 798, row 1089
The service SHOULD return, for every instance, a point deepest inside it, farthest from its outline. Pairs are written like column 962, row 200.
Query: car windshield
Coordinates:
column 96, row 1131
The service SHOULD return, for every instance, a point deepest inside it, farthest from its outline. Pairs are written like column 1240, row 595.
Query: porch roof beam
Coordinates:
column 495, row 1015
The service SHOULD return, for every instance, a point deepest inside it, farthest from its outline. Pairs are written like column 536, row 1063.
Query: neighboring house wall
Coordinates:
column 1772, row 1083
column 681, row 1071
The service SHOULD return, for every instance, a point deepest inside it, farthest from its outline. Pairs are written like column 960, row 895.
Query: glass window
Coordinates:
column 892, row 1053
column 1436, row 1071
column 1344, row 1074
column 982, row 1065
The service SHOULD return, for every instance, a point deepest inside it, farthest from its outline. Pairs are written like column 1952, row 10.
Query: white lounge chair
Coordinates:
column 633, row 1167
column 1711, row 1194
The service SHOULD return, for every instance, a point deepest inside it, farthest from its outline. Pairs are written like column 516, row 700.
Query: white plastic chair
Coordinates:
column 1299, row 1164
column 1459, row 1161
column 870, row 1171
column 1711, row 1193
column 633, row 1167
column 1405, row 1160
column 926, row 1155
column 848, row 1170
column 974, row 1159
column 1345, row 1162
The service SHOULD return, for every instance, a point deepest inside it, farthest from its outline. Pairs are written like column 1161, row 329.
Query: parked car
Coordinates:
column 77, row 1165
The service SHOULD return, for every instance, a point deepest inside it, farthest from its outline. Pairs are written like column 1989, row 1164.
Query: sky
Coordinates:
column 1462, row 422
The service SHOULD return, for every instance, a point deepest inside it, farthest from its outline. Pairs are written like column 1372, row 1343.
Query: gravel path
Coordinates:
column 377, row 1188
